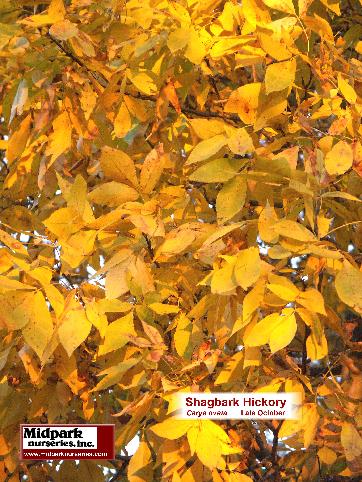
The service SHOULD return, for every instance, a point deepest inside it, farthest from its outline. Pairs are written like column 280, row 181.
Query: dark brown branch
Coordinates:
column 274, row 451
column 104, row 83
column 5, row 166
column 304, row 352
column 208, row 115
column 150, row 249
column 96, row 75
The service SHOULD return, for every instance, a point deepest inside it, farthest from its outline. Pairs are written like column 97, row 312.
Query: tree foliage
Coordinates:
column 181, row 210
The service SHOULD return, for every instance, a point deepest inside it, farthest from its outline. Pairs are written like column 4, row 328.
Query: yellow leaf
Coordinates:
column 226, row 46
column 20, row 99
column 177, row 242
column 253, row 300
column 16, row 309
column 118, row 166
column 231, row 369
column 38, row 331
column 339, row 159
column 141, row 276
column 313, row 300
column 237, row 477
column 206, row 149
column 239, row 141
column 303, row 6
column 114, row 374
column 182, row 336
column 97, row 317
column 139, row 108
column 247, row 267
column 271, row 387
column 18, row 140
column 276, row 329
column 178, row 39
column 31, row 365
column 77, row 247
column 282, row 287
column 351, row 441
column 12, row 284
column 310, row 420
column 63, row 30
column 63, row 223
column 12, row 243
column 327, row 455
column 122, row 121
column 307, row 424
column 180, row 13
column 163, row 309
column 76, row 197
column 320, row 26
column 274, row 46
column 55, row 14
column 152, row 169
column 260, row 332
column 61, row 138
column 231, row 199
column 347, row 90
column 196, row 49
column 279, row 76
column 139, row 469
column 113, row 194
column 266, row 222
column 293, row 230
column 293, row 385
column 348, row 285
column 317, row 347
column 222, row 280
column 218, row 170
column 256, row 14
column 208, row 440
column 283, row 332
column 285, row 6
column 332, row 5
column 117, row 334
column 143, row 82
column 206, row 128
column 270, row 107
column 252, row 357
column 245, row 101
column 55, row 298
column 172, row 428
column 323, row 224
column 74, row 328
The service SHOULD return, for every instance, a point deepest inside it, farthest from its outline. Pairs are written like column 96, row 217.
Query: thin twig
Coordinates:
column 104, row 83
column 150, row 249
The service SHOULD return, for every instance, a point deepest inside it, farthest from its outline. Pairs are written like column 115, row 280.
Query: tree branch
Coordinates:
column 96, row 75
column 150, row 249
column 104, row 83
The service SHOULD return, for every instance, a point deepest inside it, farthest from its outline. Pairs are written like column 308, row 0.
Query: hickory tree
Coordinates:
column 181, row 210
